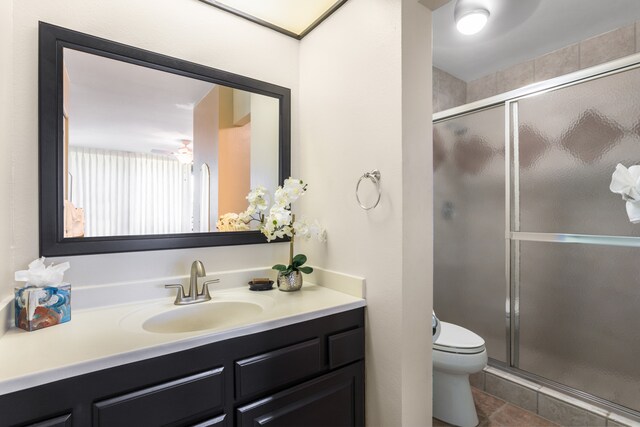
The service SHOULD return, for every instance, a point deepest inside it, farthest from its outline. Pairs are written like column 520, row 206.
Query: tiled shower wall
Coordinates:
column 449, row 91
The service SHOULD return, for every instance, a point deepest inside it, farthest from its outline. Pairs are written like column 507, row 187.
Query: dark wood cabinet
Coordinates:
column 332, row 400
column 305, row 374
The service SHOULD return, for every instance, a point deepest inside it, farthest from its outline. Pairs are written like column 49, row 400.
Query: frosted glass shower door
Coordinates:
column 469, row 222
column 579, row 322
column 578, row 303
column 570, row 141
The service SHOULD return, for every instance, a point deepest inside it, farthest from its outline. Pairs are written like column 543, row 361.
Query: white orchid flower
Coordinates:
column 294, row 188
column 278, row 222
column 284, row 231
column 280, row 216
column 245, row 216
column 257, row 198
column 301, row 229
column 275, row 221
column 318, row 231
column 251, row 209
column 268, row 230
column 281, row 198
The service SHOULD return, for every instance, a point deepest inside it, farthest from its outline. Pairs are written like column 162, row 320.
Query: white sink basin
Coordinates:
column 226, row 309
column 200, row 317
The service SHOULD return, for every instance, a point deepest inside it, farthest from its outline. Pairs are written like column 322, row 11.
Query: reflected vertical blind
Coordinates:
column 125, row 193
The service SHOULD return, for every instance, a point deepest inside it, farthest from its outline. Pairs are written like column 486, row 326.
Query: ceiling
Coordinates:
column 294, row 18
column 120, row 106
column 520, row 30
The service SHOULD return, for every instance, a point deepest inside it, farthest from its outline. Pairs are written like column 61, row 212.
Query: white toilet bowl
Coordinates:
column 457, row 353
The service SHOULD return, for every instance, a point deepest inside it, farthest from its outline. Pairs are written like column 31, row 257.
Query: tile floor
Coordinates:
column 494, row 412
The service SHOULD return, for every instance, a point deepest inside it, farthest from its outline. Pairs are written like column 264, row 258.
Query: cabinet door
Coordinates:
column 335, row 399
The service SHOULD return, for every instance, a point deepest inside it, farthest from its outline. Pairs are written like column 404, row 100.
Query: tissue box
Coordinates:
column 41, row 307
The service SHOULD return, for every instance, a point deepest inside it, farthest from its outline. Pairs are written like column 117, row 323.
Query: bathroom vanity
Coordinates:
column 280, row 368
column 134, row 358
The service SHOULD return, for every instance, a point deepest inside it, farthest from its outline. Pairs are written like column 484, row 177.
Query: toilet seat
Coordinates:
column 456, row 339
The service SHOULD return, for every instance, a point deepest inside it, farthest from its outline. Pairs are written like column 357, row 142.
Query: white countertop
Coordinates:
column 103, row 337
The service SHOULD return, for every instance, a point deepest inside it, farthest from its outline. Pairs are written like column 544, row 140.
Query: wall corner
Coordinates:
column 433, row 4
column 417, row 214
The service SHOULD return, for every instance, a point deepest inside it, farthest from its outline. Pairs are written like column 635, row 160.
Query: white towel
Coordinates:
column 626, row 182
column 633, row 211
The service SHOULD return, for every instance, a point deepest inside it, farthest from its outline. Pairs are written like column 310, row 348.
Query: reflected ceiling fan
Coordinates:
column 184, row 154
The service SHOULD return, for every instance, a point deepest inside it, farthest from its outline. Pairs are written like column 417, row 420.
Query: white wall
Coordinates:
column 7, row 142
column 191, row 30
column 417, row 218
column 365, row 103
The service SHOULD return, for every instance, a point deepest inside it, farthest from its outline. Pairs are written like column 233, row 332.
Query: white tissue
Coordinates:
column 39, row 274
column 626, row 182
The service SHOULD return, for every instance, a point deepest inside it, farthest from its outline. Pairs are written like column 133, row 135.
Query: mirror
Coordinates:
column 139, row 151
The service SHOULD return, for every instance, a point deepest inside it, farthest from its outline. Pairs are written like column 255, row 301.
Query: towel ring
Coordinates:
column 374, row 176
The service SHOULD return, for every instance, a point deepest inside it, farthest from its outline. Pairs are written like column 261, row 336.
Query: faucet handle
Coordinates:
column 205, row 295
column 180, row 295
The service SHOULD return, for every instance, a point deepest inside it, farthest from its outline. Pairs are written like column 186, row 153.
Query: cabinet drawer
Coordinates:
column 61, row 421
column 165, row 403
column 346, row 347
column 270, row 370
column 213, row 422
column 335, row 399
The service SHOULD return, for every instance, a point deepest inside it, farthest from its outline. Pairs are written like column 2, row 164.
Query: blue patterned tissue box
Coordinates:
column 41, row 307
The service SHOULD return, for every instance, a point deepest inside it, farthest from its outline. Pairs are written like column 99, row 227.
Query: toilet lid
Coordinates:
column 456, row 339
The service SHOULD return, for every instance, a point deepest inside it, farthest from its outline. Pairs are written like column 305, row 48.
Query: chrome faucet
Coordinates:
column 193, row 296
column 197, row 270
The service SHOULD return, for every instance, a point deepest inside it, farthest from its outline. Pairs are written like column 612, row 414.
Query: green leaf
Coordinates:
column 306, row 270
column 279, row 267
column 299, row 259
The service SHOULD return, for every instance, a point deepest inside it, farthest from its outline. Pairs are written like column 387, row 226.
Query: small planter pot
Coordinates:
column 290, row 282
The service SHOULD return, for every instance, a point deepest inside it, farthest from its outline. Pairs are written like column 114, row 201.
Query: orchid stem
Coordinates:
column 293, row 235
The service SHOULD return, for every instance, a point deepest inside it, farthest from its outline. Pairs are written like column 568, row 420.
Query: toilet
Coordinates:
column 457, row 353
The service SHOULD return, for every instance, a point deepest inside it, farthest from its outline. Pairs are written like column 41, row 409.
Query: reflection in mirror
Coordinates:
column 132, row 136
column 205, row 199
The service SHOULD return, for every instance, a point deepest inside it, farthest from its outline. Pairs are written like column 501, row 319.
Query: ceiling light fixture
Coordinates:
column 184, row 153
column 470, row 17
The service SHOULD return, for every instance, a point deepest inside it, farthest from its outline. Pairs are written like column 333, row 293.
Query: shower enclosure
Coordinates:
column 532, row 250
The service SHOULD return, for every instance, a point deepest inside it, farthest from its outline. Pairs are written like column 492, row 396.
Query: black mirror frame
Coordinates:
column 52, row 39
